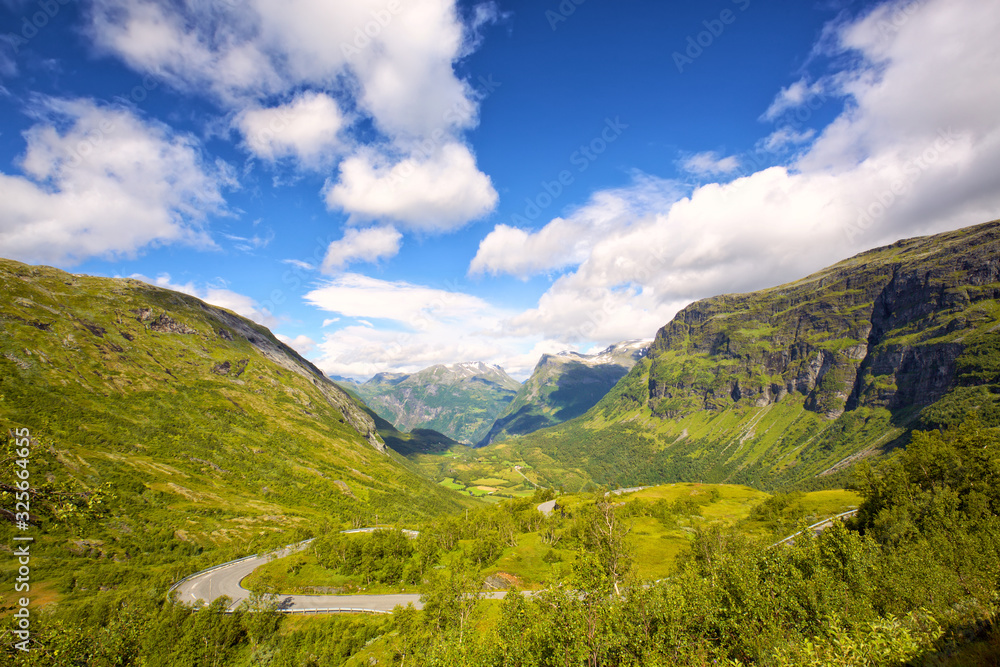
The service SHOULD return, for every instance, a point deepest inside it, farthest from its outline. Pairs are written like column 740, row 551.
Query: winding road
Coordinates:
column 226, row 579
column 211, row 584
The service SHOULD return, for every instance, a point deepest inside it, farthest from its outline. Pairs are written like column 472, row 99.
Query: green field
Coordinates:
column 536, row 562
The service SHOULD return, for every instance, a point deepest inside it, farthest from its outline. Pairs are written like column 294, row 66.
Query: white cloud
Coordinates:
column 428, row 326
column 916, row 151
column 302, row 344
column 109, row 185
column 710, row 163
column 251, row 243
column 299, row 264
column 434, row 193
column 364, row 245
column 784, row 137
column 240, row 304
column 792, row 97
column 569, row 241
column 392, row 62
column 307, row 128
column 355, row 295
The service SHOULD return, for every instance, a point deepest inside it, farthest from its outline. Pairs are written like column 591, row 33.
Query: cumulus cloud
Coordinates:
column 364, row 245
column 391, row 62
column 307, row 129
column 568, row 241
column 428, row 193
column 915, row 151
column 100, row 182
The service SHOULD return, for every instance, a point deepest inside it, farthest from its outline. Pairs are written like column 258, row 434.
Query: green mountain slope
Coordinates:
column 188, row 421
column 460, row 401
column 564, row 386
column 801, row 380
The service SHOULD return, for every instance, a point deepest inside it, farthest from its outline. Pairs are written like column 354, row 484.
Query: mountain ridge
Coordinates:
column 188, row 409
column 459, row 400
column 563, row 386
column 782, row 385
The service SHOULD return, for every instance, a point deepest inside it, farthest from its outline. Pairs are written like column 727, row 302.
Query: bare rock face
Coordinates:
column 167, row 324
column 883, row 329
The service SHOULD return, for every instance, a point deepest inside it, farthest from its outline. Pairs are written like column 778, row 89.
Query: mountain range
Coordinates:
column 152, row 390
column 459, row 400
column 563, row 386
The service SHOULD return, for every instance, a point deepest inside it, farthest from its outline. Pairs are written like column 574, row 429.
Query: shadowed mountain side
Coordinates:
column 564, row 386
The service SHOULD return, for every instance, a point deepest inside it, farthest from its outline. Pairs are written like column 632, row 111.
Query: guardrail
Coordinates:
column 233, row 562
column 842, row 515
column 333, row 610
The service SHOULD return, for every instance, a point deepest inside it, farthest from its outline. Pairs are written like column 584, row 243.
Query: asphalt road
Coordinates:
column 226, row 579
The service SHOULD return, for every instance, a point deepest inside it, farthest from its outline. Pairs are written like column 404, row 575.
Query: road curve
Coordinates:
column 211, row 584
column 547, row 508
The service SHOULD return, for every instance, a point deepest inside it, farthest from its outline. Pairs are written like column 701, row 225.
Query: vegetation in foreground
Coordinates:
column 915, row 579
column 513, row 545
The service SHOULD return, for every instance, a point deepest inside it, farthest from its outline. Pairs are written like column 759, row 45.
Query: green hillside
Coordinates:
column 564, row 386
column 460, row 401
column 799, row 381
column 171, row 434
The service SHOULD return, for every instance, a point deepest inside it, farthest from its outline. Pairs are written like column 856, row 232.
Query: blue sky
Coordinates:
column 390, row 184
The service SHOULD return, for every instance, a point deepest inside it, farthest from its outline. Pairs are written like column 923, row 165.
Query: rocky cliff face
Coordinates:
column 880, row 330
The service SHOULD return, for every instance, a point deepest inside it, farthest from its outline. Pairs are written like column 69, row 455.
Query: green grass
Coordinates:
column 206, row 442
column 655, row 546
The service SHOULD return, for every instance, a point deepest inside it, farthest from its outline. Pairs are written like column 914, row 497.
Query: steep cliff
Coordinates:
column 883, row 329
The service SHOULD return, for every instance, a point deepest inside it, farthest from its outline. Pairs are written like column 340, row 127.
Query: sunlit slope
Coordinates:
column 799, row 381
column 190, row 415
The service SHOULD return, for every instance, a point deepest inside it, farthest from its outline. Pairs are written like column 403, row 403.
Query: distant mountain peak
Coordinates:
column 565, row 385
